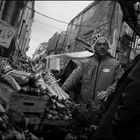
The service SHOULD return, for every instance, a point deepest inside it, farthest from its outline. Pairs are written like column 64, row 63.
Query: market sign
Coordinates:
column 6, row 34
column 54, row 63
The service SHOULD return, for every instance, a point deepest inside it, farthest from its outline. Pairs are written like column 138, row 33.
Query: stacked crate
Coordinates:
column 32, row 107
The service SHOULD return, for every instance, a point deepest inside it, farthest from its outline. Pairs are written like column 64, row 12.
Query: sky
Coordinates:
column 44, row 28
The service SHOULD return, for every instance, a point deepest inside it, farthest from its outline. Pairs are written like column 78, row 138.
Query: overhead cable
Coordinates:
column 54, row 27
column 46, row 15
column 55, row 19
column 48, row 25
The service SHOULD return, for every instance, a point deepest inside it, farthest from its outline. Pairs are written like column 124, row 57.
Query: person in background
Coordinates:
column 99, row 74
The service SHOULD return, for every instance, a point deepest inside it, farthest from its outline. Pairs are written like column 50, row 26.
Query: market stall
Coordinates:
column 45, row 109
column 36, row 95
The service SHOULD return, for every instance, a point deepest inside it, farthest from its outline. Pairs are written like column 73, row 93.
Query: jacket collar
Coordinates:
column 97, row 57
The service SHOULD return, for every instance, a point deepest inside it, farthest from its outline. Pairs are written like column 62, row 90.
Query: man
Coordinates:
column 99, row 74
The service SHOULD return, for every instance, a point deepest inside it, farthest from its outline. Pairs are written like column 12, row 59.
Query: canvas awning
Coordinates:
column 73, row 55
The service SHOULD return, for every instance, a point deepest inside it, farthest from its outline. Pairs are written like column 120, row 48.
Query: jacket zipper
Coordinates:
column 96, row 77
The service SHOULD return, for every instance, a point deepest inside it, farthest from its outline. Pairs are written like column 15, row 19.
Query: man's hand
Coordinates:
column 103, row 95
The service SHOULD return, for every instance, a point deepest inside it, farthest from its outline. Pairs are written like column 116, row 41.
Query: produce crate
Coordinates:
column 33, row 107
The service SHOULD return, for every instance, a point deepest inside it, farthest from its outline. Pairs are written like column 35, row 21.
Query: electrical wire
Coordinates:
column 48, row 25
column 54, row 27
column 55, row 19
column 45, row 15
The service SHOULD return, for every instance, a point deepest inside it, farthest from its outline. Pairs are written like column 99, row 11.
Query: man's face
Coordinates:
column 101, row 47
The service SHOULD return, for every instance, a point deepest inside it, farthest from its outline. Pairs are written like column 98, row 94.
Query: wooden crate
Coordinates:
column 27, row 103
column 33, row 107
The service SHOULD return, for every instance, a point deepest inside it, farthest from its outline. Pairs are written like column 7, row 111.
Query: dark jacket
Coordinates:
column 122, row 120
column 97, row 74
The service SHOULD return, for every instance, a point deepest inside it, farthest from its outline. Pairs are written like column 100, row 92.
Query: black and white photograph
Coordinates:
column 70, row 70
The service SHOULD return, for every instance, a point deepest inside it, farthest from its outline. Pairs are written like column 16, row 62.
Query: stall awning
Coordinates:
column 74, row 55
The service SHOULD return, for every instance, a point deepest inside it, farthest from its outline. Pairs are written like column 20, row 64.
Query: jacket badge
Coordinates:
column 106, row 70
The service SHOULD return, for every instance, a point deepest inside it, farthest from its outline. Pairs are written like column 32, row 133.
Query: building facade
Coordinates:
column 19, row 16
column 40, row 51
column 56, row 43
